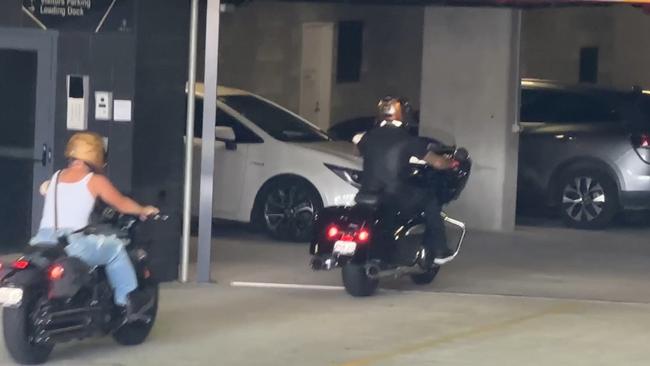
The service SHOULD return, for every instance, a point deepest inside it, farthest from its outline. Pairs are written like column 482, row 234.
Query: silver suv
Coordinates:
column 584, row 150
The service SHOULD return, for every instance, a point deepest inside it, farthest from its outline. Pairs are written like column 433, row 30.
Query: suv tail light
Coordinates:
column 645, row 141
column 641, row 143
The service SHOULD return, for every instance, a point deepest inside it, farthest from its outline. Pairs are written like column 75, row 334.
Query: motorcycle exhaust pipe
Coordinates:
column 373, row 271
column 316, row 263
column 64, row 321
column 63, row 334
column 72, row 316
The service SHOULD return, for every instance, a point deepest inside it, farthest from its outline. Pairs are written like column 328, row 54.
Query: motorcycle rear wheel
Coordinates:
column 356, row 282
column 16, row 328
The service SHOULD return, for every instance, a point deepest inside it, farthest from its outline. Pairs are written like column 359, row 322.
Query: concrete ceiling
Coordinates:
column 481, row 3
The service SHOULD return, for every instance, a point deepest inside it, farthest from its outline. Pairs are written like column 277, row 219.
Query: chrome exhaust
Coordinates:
column 316, row 263
column 373, row 271
column 319, row 264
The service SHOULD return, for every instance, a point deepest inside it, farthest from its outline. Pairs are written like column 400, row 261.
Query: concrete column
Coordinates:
column 470, row 90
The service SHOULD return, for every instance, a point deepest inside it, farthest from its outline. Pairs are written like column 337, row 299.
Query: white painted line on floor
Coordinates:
column 285, row 285
column 469, row 294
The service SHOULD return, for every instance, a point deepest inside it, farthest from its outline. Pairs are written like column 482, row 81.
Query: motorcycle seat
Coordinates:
column 48, row 251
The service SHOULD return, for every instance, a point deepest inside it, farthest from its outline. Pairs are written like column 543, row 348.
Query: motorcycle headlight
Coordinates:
column 351, row 176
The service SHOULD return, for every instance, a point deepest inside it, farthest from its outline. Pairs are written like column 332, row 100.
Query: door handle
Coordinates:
column 565, row 137
column 317, row 107
column 46, row 155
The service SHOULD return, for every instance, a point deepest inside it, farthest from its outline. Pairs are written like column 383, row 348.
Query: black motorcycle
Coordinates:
column 371, row 241
column 50, row 298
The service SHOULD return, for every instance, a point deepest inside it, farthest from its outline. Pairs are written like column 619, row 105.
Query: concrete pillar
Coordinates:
column 470, row 90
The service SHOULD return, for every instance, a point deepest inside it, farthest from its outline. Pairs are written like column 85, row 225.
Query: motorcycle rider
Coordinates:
column 386, row 150
column 77, row 187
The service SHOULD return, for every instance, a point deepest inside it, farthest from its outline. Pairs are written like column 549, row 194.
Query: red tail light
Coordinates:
column 347, row 237
column 363, row 235
column 56, row 272
column 20, row 264
column 641, row 141
column 332, row 232
column 641, row 144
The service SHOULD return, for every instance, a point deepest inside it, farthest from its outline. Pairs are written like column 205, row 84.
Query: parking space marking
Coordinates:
column 285, row 286
column 489, row 328
column 432, row 292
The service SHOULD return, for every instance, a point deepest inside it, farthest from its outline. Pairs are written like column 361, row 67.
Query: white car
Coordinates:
column 272, row 167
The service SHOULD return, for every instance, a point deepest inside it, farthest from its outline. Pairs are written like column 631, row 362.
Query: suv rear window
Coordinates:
column 570, row 107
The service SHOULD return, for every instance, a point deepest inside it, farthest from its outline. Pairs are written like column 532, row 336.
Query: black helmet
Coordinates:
column 393, row 112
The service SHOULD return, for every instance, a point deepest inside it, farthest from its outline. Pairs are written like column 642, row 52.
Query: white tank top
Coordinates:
column 75, row 204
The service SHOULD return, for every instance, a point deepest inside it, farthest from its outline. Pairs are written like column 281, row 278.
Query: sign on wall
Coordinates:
column 81, row 15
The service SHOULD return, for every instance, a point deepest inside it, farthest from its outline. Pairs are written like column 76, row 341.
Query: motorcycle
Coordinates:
column 370, row 241
column 49, row 297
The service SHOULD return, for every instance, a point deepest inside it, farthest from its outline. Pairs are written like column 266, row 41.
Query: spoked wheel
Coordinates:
column 289, row 208
column 589, row 199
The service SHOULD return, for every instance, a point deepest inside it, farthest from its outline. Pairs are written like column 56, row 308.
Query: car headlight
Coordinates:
column 351, row 176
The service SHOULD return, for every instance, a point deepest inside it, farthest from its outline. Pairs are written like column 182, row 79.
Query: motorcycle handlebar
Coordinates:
column 155, row 217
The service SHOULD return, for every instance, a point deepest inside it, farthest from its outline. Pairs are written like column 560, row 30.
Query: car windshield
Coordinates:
column 275, row 121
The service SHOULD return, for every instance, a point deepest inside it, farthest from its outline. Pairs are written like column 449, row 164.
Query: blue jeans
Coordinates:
column 98, row 250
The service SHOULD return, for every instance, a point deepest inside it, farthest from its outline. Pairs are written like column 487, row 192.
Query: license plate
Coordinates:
column 343, row 247
column 10, row 296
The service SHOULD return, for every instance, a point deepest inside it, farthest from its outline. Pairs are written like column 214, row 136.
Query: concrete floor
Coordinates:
column 539, row 296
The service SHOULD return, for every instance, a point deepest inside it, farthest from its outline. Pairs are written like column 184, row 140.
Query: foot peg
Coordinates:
column 441, row 261
column 140, row 314
column 427, row 263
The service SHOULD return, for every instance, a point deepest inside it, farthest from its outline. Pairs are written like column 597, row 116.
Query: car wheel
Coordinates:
column 588, row 198
column 289, row 207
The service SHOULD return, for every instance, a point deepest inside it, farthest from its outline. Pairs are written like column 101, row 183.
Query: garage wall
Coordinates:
column 141, row 55
column 632, row 53
column 269, row 61
column 552, row 38
column 261, row 42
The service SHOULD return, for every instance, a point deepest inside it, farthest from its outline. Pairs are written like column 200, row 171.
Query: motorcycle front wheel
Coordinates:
column 426, row 277
column 134, row 333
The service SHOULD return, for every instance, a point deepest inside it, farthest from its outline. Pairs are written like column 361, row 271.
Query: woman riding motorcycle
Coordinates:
column 386, row 151
column 70, row 197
